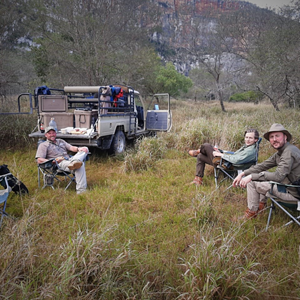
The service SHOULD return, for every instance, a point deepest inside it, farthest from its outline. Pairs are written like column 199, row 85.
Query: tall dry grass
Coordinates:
column 15, row 127
column 141, row 231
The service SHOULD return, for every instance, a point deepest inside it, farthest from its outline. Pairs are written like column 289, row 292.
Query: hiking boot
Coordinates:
column 197, row 181
column 249, row 214
column 194, row 153
column 74, row 165
column 262, row 206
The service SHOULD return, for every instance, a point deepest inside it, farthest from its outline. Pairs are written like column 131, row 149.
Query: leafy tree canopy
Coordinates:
column 172, row 82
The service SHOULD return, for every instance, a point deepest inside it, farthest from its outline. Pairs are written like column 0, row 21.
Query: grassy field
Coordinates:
column 141, row 231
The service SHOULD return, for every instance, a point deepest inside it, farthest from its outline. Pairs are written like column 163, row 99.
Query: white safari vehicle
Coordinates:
column 105, row 117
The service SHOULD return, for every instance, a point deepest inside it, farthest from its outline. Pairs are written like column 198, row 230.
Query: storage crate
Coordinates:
column 62, row 119
column 53, row 103
column 85, row 118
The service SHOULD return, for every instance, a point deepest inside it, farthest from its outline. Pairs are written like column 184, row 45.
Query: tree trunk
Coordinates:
column 274, row 103
column 220, row 94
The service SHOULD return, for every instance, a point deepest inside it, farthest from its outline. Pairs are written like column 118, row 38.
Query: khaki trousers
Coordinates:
column 259, row 191
column 80, row 174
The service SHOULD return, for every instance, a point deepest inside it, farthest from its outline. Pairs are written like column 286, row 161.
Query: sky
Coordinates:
column 270, row 3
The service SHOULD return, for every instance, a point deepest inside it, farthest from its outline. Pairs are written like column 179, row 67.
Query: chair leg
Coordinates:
column 274, row 203
column 49, row 176
column 3, row 213
column 216, row 174
column 71, row 180
column 290, row 222
column 217, row 171
column 48, row 180
column 270, row 214
column 1, row 219
column 39, row 178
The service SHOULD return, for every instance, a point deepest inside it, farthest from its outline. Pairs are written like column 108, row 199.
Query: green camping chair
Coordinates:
column 286, row 207
column 224, row 170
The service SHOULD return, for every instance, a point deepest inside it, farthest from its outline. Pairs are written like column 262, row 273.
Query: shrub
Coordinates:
column 249, row 96
column 15, row 129
column 147, row 152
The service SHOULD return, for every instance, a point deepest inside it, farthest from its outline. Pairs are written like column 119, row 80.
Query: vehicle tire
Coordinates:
column 118, row 144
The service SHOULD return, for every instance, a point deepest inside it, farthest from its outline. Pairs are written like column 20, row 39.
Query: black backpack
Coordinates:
column 16, row 185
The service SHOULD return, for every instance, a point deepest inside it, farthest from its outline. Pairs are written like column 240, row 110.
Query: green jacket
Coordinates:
column 244, row 155
column 287, row 161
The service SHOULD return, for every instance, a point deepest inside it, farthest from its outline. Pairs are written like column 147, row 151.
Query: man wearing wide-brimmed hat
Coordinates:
column 256, row 178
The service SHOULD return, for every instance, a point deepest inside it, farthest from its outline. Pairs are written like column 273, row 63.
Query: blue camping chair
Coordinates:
column 284, row 206
column 227, row 171
column 4, row 195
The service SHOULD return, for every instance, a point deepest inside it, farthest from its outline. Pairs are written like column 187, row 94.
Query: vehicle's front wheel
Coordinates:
column 119, row 143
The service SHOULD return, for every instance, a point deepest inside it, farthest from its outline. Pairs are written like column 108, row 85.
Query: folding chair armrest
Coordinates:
column 47, row 164
column 281, row 184
column 4, row 177
column 227, row 152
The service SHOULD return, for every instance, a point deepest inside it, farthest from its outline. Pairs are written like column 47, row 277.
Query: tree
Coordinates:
column 270, row 45
column 172, row 82
column 92, row 42
column 209, row 51
column 15, row 60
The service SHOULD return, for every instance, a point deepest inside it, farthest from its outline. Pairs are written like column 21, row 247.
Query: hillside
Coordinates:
column 178, row 16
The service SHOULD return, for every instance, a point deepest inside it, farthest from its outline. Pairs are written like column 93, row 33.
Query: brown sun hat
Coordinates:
column 278, row 128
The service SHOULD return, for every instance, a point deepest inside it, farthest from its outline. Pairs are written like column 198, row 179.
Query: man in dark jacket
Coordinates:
column 256, row 178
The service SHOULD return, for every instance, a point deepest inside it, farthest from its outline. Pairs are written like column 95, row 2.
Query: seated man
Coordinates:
column 207, row 153
column 287, row 161
column 57, row 148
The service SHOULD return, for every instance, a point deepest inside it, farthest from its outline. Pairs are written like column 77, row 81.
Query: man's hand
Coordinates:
column 245, row 181
column 84, row 149
column 241, row 181
column 59, row 159
column 237, row 180
column 217, row 153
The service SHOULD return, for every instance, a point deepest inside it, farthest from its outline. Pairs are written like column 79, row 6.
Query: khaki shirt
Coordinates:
column 50, row 150
column 287, row 161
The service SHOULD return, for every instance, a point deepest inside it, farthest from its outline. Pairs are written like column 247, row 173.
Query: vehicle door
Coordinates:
column 159, row 118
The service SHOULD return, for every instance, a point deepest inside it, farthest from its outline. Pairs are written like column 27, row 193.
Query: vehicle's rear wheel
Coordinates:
column 119, row 143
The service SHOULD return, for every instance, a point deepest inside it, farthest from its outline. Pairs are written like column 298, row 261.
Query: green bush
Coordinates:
column 15, row 130
column 249, row 96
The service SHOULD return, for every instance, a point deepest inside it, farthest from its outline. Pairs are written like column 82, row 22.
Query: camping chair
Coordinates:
column 4, row 195
column 230, row 171
column 50, row 172
column 283, row 205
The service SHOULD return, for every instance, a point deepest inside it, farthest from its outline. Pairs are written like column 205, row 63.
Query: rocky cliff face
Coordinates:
column 178, row 20
column 179, row 16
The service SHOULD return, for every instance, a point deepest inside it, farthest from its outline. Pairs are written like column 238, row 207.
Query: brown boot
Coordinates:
column 262, row 206
column 74, row 165
column 197, row 181
column 194, row 153
column 249, row 214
